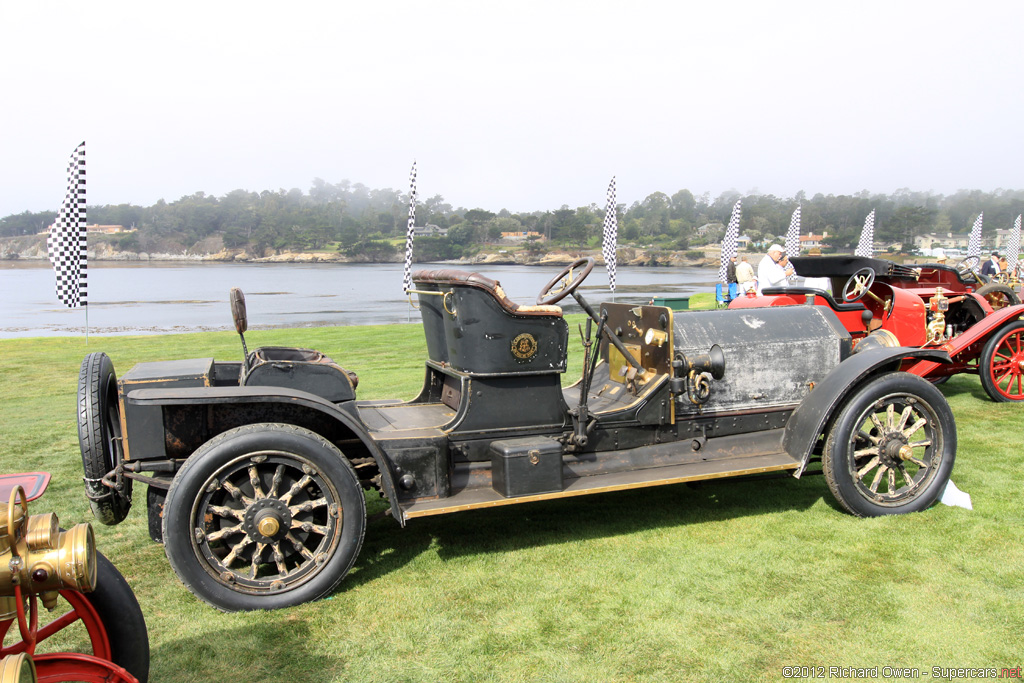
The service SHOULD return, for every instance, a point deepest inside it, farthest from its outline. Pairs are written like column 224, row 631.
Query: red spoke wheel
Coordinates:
column 1002, row 364
column 106, row 624
column 64, row 667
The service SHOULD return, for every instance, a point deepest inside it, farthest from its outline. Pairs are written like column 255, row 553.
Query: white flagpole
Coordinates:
column 610, row 237
column 67, row 243
column 867, row 237
column 409, row 233
column 729, row 242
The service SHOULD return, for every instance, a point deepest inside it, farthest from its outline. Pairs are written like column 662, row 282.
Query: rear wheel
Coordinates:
column 1001, row 367
column 262, row 517
column 998, row 295
column 891, row 449
column 99, row 437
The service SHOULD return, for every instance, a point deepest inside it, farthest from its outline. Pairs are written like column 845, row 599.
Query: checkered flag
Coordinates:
column 974, row 241
column 610, row 235
column 729, row 245
column 1013, row 245
column 793, row 235
column 66, row 244
column 407, row 274
column 867, row 236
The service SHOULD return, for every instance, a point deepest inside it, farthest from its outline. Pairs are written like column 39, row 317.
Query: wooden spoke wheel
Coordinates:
column 891, row 450
column 264, row 516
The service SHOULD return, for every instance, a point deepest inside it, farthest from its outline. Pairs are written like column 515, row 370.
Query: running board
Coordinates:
column 472, row 499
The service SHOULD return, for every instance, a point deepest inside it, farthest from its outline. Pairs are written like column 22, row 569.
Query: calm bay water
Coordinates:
column 131, row 298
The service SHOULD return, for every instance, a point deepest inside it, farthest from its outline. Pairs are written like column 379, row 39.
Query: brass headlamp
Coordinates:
column 38, row 557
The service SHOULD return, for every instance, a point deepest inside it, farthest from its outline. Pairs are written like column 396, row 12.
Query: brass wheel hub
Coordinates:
column 267, row 520
column 894, row 450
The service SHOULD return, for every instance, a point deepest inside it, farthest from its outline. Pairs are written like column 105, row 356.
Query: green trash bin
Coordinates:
column 676, row 303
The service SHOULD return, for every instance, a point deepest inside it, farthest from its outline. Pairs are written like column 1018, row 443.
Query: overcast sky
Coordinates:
column 518, row 105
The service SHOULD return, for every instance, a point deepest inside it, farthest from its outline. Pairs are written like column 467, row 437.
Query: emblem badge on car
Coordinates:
column 524, row 346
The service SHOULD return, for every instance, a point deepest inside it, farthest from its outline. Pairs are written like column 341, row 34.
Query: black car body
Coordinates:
column 256, row 468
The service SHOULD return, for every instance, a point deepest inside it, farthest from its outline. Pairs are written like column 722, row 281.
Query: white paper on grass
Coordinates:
column 954, row 497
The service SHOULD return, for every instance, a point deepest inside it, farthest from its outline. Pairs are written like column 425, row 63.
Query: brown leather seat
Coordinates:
column 471, row 326
column 446, row 276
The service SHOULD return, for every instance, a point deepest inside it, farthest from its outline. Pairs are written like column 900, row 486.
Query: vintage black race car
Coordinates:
column 256, row 468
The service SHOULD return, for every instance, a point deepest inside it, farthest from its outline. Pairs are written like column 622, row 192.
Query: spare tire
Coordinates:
column 99, row 437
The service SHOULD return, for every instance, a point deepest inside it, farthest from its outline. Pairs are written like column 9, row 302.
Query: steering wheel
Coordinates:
column 858, row 285
column 969, row 266
column 565, row 282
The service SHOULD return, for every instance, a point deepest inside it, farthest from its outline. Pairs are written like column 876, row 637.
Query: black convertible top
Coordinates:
column 846, row 265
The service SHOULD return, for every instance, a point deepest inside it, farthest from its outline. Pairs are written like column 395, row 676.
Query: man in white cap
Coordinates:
column 769, row 272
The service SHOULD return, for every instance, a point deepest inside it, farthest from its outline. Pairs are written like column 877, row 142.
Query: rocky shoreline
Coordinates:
column 33, row 248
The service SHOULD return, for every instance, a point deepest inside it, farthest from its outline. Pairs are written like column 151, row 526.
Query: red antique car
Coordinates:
column 66, row 613
column 880, row 302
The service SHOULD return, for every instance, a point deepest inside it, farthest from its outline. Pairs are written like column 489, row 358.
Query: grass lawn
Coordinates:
column 722, row 581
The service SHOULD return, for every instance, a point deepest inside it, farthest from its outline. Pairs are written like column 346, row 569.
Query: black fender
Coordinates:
column 344, row 413
column 809, row 419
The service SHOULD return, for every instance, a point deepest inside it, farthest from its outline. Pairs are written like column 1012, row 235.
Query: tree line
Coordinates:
column 360, row 221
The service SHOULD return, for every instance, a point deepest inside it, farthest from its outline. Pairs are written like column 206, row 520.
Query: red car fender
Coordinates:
column 907, row 317
column 967, row 346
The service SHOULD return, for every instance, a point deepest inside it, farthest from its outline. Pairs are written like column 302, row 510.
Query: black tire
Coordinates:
column 998, row 295
column 217, row 526
column 99, row 437
column 871, row 445
column 1001, row 366
column 119, row 610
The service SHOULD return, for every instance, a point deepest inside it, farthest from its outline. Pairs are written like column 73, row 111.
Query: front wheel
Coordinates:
column 891, row 449
column 1001, row 367
column 262, row 517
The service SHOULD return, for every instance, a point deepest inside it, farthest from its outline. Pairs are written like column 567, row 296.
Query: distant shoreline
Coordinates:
column 33, row 249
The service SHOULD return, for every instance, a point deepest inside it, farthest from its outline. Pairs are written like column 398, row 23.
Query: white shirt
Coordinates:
column 769, row 274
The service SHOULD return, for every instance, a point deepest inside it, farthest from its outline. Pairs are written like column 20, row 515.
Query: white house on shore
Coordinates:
column 429, row 230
